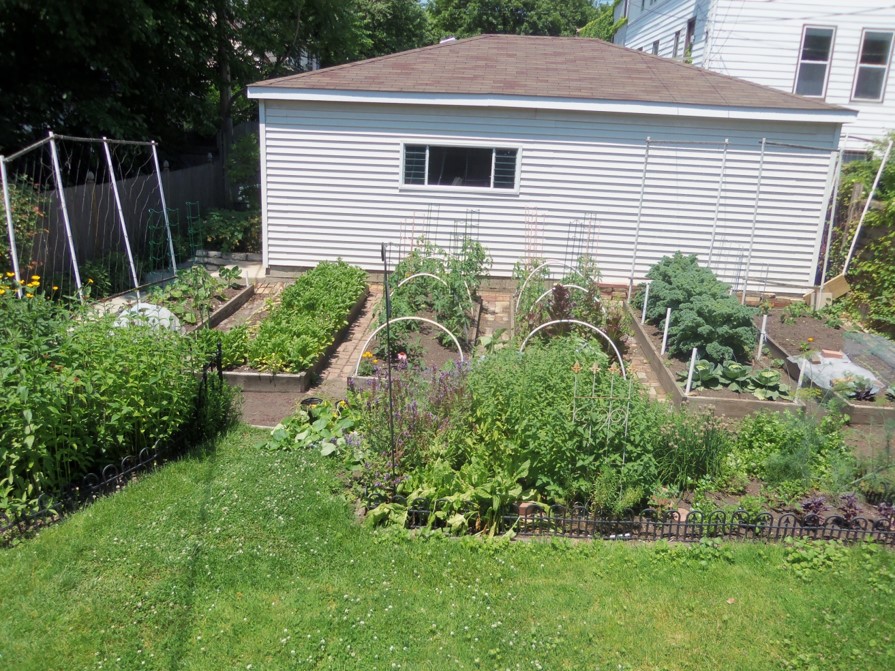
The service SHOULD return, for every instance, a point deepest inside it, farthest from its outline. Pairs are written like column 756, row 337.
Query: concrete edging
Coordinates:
column 730, row 407
column 258, row 381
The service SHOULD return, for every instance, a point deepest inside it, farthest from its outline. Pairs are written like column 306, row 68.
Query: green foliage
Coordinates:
column 791, row 451
column 243, row 170
column 604, row 26
column 464, row 18
column 703, row 314
column 231, row 231
column 79, row 393
column 311, row 312
column 450, row 297
column 808, row 558
column 325, row 427
column 28, row 204
column 390, row 26
column 691, row 445
column 192, row 294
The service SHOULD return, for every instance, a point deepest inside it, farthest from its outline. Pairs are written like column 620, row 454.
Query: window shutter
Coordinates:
column 414, row 164
column 505, row 168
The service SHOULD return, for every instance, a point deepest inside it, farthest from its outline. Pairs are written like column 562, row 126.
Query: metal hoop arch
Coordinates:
column 404, row 319
column 578, row 323
column 547, row 263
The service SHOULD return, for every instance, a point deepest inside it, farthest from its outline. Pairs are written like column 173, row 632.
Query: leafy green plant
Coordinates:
column 856, row 387
column 736, row 376
column 231, row 230
column 192, row 294
column 311, row 311
column 326, row 427
column 706, row 375
column 767, row 386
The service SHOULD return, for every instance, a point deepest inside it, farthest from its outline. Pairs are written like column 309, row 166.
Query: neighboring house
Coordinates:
column 528, row 135
column 839, row 52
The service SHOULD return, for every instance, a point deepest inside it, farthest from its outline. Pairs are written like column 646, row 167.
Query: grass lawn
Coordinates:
column 243, row 559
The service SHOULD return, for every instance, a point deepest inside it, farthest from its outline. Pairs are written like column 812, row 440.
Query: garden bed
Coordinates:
column 248, row 379
column 235, row 299
column 789, row 335
column 724, row 401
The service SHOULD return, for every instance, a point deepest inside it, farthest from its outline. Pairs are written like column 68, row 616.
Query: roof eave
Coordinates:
column 827, row 114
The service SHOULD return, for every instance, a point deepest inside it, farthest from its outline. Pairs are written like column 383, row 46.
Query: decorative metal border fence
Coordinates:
column 53, row 507
column 651, row 524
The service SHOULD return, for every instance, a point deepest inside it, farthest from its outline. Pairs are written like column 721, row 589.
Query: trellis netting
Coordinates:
column 79, row 214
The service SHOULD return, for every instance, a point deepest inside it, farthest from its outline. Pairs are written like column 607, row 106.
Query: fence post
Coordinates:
column 60, row 194
column 161, row 190
column 10, row 227
column 718, row 201
column 795, row 396
column 690, row 374
column 764, row 142
column 665, row 334
column 127, row 241
column 639, row 216
column 762, row 336
column 645, row 301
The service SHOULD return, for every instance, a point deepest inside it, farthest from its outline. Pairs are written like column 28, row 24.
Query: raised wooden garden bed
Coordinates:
column 258, row 381
column 727, row 404
column 227, row 309
column 785, row 339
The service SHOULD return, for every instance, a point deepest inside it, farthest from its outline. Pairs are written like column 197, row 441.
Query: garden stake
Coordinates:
column 690, row 374
column 764, row 142
column 127, row 241
column 388, row 356
column 161, row 192
column 762, row 336
column 665, row 335
column 645, row 301
column 60, row 194
column 795, row 396
column 13, row 252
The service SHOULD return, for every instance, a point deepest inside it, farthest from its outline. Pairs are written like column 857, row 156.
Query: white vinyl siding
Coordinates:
column 665, row 22
column 333, row 185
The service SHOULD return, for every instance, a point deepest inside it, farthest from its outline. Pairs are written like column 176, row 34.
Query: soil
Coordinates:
column 755, row 488
column 425, row 348
column 677, row 366
column 793, row 336
column 253, row 311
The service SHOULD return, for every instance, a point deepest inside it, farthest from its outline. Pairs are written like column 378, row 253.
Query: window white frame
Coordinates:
column 827, row 63
column 885, row 68
column 490, row 190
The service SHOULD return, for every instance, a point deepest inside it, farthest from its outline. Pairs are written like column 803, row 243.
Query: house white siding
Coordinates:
column 332, row 187
column 650, row 21
column 760, row 41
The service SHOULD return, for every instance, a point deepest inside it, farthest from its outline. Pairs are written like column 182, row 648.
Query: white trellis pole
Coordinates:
column 645, row 302
column 10, row 227
column 60, row 195
column 795, row 396
column 690, row 374
column 764, row 142
column 834, row 201
column 127, row 241
column 718, row 200
column 879, row 174
column 762, row 336
column 161, row 190
column 639, row 217
column 665, row 334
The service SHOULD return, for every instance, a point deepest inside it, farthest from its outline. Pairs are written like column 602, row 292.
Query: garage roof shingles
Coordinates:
column 549, row 67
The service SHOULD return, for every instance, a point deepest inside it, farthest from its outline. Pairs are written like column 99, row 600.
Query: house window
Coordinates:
column 851, row 155
column 677, row 45
column 477, row 167
column 873, row 65
column 688, row 40
column 814, row 61
column 656, row 48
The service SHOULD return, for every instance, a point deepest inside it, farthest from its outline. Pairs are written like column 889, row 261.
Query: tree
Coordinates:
column 604, row 26
column 132, row 68
column 463, row 18
column 390, row 26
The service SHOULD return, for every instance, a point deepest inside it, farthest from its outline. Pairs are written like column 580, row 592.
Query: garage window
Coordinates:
column 470, row 167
